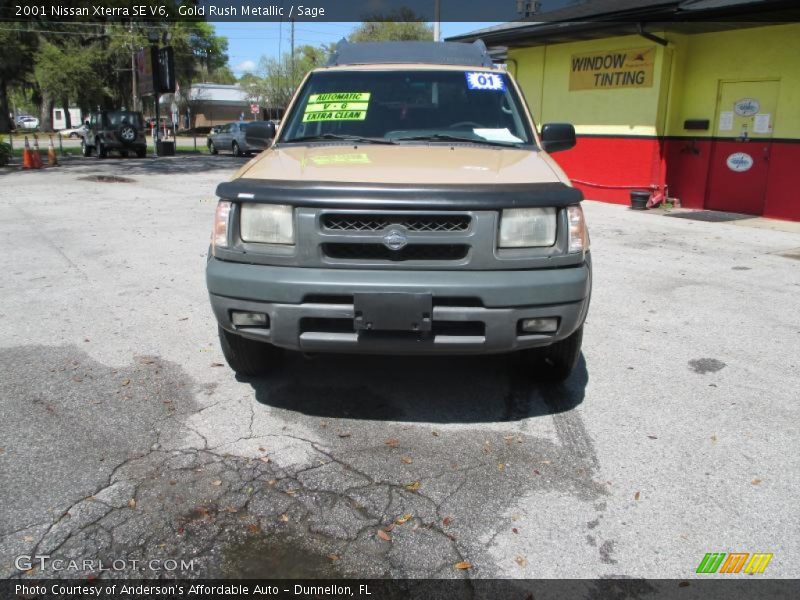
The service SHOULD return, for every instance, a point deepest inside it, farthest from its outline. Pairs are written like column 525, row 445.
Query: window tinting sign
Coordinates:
column 746, row 107
column 739, row 162
column 485, row 81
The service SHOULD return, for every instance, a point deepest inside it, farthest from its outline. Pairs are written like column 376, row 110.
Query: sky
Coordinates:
column 248, row 42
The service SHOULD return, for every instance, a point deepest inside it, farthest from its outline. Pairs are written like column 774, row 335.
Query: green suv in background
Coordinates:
column 114, row 130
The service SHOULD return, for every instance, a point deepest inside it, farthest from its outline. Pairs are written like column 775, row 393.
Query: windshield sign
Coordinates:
column 411, row 106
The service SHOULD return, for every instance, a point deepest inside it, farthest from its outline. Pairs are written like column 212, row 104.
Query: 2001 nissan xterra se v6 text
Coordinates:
column 407, row 206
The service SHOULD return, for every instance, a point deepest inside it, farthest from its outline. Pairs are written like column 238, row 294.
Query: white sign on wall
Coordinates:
column 726, row 120
column 761, row 123
column 739, row 162
column 746, row 107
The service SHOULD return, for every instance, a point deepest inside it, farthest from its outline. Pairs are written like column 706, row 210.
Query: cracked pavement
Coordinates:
column 123, row 437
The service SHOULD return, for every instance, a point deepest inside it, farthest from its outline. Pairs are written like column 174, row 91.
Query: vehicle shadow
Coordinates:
column 417, row 389
column 184, row 164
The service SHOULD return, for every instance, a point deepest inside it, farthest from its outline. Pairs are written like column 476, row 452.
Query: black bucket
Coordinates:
column 639, row 200
column 166, row 148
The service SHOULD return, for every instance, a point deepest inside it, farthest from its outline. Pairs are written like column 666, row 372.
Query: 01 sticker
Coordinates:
column 481, row 80
column 337, row 106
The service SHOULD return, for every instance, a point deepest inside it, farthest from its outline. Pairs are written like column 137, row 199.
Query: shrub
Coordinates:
column 5, row 154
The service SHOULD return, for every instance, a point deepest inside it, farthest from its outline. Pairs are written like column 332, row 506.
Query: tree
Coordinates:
column 19, row 49
column 278, row 78
column 401, row 25
column 222, row 75
column 63, row 73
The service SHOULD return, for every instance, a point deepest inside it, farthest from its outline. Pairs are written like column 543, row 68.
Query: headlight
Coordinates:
column 527, row 227
column 267, row 223
column 219, row 235
column 578, row 233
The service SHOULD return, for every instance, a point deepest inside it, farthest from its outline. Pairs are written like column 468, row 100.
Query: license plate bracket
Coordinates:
column 392, row 311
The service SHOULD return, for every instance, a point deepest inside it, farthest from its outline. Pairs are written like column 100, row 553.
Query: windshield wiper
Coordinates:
column 446, row 137
column 323, row 137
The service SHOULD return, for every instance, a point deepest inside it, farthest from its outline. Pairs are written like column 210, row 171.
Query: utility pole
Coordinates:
column 133, row 73
column 291, row 56
column 437, row 9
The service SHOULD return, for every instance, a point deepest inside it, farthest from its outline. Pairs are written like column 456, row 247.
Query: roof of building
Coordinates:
column 600, row 18
column 217, row 92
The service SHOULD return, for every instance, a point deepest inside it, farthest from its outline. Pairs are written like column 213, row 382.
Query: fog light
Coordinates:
column 539, row 325
column 249, row 319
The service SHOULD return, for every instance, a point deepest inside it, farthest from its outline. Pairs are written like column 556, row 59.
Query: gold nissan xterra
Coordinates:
column 406, row 205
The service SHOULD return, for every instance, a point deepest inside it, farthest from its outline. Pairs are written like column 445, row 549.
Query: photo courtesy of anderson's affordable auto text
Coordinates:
column 399, row 299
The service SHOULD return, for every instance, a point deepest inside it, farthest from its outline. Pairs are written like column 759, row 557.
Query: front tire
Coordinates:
column 212, row 148
column 248, row 357
column 85, row 149
column 101, row 149
column 555, row 362
column 236, row 150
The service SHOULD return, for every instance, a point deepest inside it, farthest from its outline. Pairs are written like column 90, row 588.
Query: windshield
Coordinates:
column 411, row 105
column 118, row 117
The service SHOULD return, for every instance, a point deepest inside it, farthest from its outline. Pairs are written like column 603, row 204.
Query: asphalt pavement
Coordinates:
column 123, row 436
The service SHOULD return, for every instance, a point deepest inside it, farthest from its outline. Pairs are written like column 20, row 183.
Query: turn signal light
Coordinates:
column 219, row 235
column 578, row 232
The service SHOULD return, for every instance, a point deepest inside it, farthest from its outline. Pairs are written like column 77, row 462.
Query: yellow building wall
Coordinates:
column 543, row 73
column 751, row 54
column 686, row 79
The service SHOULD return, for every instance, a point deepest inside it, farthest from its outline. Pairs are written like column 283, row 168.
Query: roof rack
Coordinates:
column 432, row 53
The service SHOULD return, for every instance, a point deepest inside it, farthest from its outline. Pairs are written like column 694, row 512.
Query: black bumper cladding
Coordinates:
column 399, row 196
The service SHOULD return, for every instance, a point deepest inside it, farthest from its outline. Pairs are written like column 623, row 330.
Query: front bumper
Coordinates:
column 474, row 312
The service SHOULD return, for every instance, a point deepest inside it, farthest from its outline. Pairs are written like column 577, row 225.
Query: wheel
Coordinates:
column 123, row 153
column 141, row 153
column 235, row 149
column 248, row 357
column 554, row 362
column 101, row 149
column 212, row 148
column 85, row 150
column 73, row 135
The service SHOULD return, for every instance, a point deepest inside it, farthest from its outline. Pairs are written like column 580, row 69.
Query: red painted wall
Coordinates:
column 681, row 163
column 621, row 162
column 783, row 191
column 687, row 170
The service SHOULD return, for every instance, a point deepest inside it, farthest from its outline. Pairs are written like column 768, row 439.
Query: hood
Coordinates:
column 406, row 164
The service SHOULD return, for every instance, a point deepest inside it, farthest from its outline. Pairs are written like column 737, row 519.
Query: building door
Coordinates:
column 740, row 151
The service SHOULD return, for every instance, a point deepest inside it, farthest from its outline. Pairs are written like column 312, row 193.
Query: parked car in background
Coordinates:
column 259, row 135
column 230, row 138
column 75, row 132
column 120, row 130
column 27, row 122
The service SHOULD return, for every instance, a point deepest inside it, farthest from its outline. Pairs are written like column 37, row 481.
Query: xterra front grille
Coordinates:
column 414, row 223
column 381, row 252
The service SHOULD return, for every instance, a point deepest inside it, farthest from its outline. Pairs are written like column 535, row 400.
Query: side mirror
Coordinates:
column 259, row 134
column 557, row 136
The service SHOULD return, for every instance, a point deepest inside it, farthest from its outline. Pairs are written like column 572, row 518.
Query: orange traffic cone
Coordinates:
column 27, row 157
column 37, row 157
column 52, row 161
